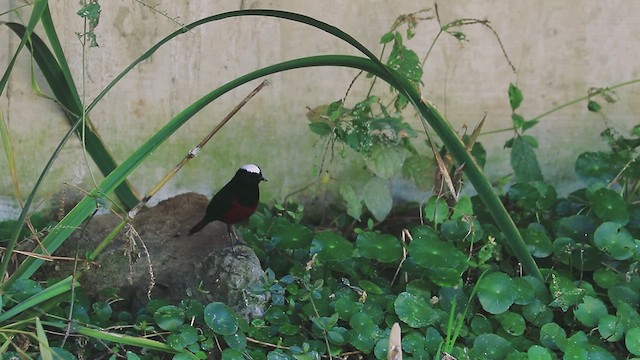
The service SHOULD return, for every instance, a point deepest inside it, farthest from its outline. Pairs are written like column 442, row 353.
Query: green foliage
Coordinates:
column 448, row 282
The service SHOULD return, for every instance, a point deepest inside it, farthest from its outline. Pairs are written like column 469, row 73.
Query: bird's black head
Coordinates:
column 250, row 174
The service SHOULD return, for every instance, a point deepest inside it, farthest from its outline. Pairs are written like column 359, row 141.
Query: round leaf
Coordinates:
column 414, row 311
column 386, row 161
column 552, row 336
column 412, row 342
column 496, row 292
column 184, row 336
column 481, row 325
column 220, row 318
column 538, row 241
column 590, row 311
column 236, row 341
column 594, row 167
column 524, row 293
column 537, row 352
column 354, row 203
column 611, row 328
column 377, row 197
column 621, row 294
column 576, row 227
column 436, row 210
column 233, row 354
column 605, row 278
column 491, row 346
column 609, row 206
column 169, row 317
column 444, row 262
column 632, row 341
column 381, row 247
column 287, row 235
column 512, row 323
column 332, row 246
column 614, row 240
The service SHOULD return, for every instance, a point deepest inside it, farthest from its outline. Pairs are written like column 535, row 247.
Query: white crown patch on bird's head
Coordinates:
column 252, row 168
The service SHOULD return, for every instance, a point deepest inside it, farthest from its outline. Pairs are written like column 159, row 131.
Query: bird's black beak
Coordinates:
column 262, row 179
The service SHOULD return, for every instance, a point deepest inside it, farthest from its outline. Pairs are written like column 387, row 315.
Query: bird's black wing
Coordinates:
column 219, row 204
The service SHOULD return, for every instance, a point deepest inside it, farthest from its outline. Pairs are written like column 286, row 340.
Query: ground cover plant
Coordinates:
column 458, row 277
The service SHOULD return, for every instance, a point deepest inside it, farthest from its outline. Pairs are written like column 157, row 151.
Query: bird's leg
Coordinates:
column 233, row 237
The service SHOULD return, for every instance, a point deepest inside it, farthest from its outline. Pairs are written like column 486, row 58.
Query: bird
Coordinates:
column 235, row 202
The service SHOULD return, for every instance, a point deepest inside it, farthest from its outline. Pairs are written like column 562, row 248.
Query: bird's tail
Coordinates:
column 199, row 226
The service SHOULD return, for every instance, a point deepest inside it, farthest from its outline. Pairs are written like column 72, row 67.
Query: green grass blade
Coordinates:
column 52, row 291
column 8, row 150
column 38, row 9
column 43, row 342
column 118, row 338
column 59, row 79
column 429, row 115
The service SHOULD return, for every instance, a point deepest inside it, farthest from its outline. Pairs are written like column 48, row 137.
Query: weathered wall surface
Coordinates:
column 560, row 50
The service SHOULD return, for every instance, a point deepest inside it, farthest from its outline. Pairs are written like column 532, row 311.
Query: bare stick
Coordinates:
column 194, row 152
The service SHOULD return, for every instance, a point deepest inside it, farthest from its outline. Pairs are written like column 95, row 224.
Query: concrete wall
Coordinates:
column 560, row 50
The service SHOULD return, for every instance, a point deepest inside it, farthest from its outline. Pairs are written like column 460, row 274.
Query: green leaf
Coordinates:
column 511, row 322
column 565, row 293
column 537, row 313
column 354, row 203
column 381, row 247
column 405, row 61
column 632, row 341
column 236, row 341
column 496, row 292
column 552, row 336
column 332, row 246
column 287, row 235
column 320, row 128
column 611, row 328
column 377, row 197
column 420, row 170
column 387, row 37
column 524, row 161
column 436, row 210
column 234, row 354
column 590, row 311
column 386, row 161
column 577, row 227
column 537, row 240
column 614, row 240
column 491, row 346
column 182, row 337
column 370, row 287
column 518, row 120
column 606, row 278
column 620, row 295
column 463, row 208
column 593, row 106
column 529, row 124
column 524, row 293
column 414, row 311
column 169, row 317
column 598, row 167
column 609, row 206
column 221, row 319
column 444, row 263
column 515, row 97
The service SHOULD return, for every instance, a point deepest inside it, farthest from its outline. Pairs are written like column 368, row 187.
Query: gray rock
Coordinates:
column 154, row 258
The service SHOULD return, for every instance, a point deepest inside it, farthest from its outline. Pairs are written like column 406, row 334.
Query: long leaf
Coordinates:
column 56, row 72
column 118, row 338
column 430, row 117
column 38, row 9
column 58, row 288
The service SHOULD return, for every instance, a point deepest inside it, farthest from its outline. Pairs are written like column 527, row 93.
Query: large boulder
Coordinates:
column 153, row 257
